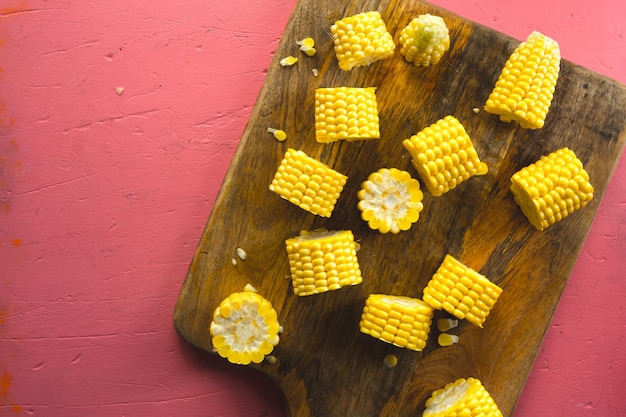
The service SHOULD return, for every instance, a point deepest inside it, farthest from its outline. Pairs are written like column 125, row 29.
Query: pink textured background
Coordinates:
column 103, row 198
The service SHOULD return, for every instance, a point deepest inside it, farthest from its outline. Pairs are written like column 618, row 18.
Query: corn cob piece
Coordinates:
column 361, row 39
column 343, row 113
column 424, row 40
column 552, row 188
column 444, row 156
column 244, row 328
column 390, row 200
column 321, row 261
column 308, row 183
column 401, row 321
column 461, row 291
column 462, row 398
column 526, row 85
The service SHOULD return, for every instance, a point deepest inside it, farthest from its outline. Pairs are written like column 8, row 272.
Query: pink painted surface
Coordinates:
column 103, row 197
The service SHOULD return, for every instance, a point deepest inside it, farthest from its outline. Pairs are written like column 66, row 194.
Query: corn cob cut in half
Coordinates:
column 390, row 200
column 321, row 261
column 344, row 113
column 308, row 183
column 462, row 398
column 244, row 328
column 461, row 291
column 361, row 39
column 424, row 40
column 444, row 156
column 552, row 188
column 526, row 85
column 401, row 321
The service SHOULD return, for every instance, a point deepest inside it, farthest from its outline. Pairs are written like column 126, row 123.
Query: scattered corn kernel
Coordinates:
column 119, row 90
column 250, row 288
column 476, row 110
column 390, row 361
column 552, row 188
column 271, row 359
column 462, row 398
column 315, row 72
column 307, row 46
column 424, row 40
column 308, row 183
column 344, row 113
column 526, row 85
column 390, row 200
column 279, row 135
column 445, row 324
column 244, row 328
column 401, row 321
column 233, row 261
column 445, row 339
column 321, row 261
column 288, row 61
column 444, row 156
column 461, row 291
column 242, row 254
column 361, row 40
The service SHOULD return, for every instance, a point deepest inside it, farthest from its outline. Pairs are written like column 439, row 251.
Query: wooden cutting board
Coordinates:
column 325, row 366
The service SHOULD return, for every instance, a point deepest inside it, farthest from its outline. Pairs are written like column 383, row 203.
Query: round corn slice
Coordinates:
column 424, row 40
column 462, row 398
column 390, row 200
column 402, row 321
column 244, row 328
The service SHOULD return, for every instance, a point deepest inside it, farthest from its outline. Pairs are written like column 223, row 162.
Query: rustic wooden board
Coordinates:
column 326, row 367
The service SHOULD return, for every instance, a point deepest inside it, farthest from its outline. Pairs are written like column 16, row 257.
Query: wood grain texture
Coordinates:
column 326, row 366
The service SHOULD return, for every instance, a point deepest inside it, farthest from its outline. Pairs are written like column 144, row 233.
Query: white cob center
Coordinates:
column 450, row 396
column 389, row 198
column 244, row 330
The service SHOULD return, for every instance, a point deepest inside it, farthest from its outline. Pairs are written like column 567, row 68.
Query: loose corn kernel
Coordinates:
column 462, row 398
column 461, row 291
column 445, row 339
column 307, row 46
column 401, row 321
column 244, row 328
column 321, row 261
column 279, row 135
column 288, row 61
column 552, row 188
column 444, row 156
column 361, row 39
column 344, row 113
column 445, row 324
column 308, row 183
column 526, row 85
column 424, row 40
column 390, row 200
column 390, row 361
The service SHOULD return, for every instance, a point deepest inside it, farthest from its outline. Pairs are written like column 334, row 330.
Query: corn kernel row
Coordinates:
column 461, row 291
column 552, row 188
column 308, row 183
column 399, row 320
column 465, row 397
column 321, row 261
column 343, row 113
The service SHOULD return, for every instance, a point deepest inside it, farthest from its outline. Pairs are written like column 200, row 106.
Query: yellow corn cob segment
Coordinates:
column 390, row 200
column 322, row 261
column 461, row 291
column 343, row 113
column 552, row 188
column 244, row 328
column 526, row 85
column 361, row 39
column 444, row 156
column 308, row 183
column 401, row 321
column 424, row 40
column 462, row 398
